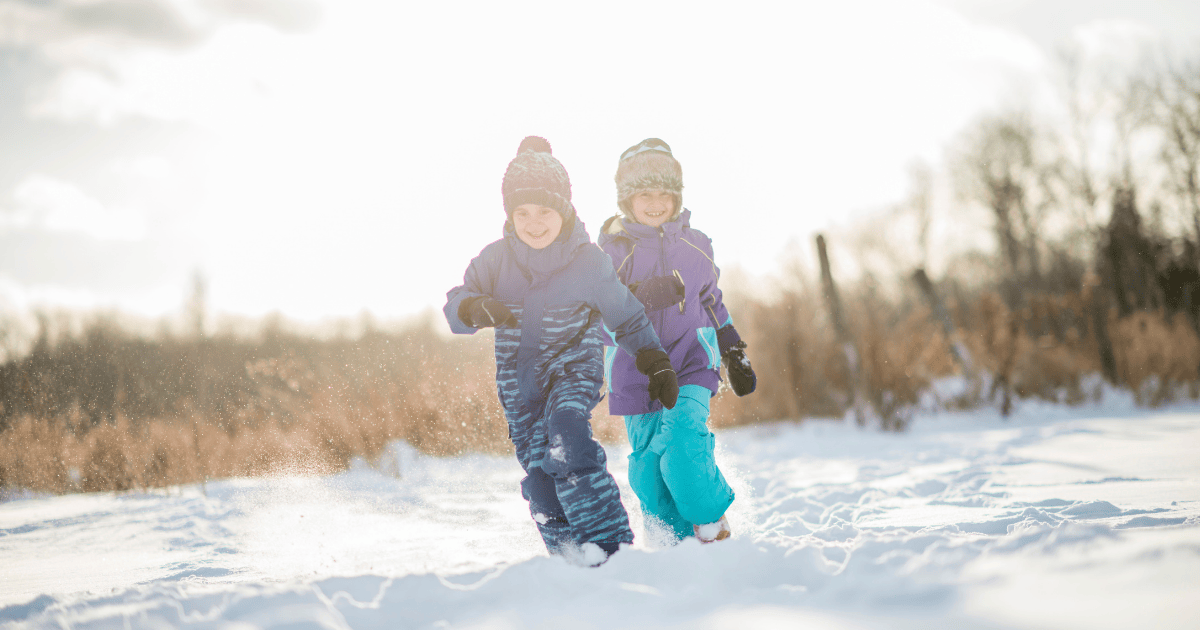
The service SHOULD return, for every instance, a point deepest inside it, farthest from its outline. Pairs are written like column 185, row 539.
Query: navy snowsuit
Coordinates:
column 550, row 372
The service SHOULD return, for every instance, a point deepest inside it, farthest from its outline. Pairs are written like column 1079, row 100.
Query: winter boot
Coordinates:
column 590, row 554
column 713, row 532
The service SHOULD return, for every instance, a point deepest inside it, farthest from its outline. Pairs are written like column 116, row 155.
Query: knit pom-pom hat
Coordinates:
column 535, row 176
column 648, row 165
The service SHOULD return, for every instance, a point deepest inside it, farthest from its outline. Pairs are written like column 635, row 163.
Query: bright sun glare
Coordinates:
column 354, row 163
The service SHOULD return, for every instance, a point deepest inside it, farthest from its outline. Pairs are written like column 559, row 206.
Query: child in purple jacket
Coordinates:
column 669, row 267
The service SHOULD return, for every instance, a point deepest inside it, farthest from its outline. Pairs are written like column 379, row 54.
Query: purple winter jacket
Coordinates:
column 688, row 329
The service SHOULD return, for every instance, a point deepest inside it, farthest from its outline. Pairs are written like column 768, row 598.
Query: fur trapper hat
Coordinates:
column 535, row 176
column 648, row 165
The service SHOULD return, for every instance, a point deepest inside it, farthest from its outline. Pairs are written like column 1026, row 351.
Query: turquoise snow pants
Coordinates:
column 672, row 469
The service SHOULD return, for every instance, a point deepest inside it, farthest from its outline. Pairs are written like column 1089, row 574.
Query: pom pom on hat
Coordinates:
column 534, row 143
column 535, row 176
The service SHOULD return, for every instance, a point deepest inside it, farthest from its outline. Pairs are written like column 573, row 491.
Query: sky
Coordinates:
column 326, row 158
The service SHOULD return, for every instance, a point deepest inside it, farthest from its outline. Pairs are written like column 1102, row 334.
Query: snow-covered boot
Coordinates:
column 590, row 554
column 713, row 532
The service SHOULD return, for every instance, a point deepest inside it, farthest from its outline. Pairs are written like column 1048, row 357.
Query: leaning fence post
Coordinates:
column 958, row 350
column 1098, row 301
column 857, row 371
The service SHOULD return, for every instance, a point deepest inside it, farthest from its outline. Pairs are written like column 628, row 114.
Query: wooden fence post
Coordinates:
column 958, row 350
column 1099, row 305
column 853, row 359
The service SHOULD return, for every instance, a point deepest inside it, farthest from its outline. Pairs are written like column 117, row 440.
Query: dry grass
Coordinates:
column 45, row 455
column 1157, row 357
column 303, row 410
column 1046, row 350
column 305, row 415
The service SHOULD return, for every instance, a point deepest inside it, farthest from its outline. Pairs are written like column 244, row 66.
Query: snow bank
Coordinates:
column 1059, row 517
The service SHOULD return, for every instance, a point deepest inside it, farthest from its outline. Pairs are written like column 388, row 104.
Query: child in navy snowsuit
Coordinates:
column 669, row 267
column 549, row 292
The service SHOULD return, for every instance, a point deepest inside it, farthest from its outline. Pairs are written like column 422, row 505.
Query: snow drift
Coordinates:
column 1056, row 518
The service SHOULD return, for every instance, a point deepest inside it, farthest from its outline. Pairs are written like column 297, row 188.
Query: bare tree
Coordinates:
column 920, row 202
column 1004, row 166
column 195, row 310
column 896, row 240
column 196, row 307
column 1078, row 170
column 1175, row 109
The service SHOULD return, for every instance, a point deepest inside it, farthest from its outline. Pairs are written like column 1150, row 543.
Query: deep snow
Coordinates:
column 1055, row 518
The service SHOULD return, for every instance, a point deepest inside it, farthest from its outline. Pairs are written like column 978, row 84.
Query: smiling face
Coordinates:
column 536, row 226
column 653, row 207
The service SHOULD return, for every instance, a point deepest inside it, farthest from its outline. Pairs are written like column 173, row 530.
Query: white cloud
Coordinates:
column 18, row 300
column 108, row 59
column 146, row 167
column 46, row 203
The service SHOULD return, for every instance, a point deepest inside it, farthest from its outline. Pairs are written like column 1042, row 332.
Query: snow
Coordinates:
column 709, row 531
column 1055, row 518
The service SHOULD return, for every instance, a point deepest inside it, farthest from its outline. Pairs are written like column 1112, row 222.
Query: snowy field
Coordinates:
column 1056, row 518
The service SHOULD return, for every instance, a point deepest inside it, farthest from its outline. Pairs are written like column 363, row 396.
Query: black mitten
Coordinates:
column 733, row 353
column 659, row 292
column 741, row 375
column 664, row 384
column 484, row 312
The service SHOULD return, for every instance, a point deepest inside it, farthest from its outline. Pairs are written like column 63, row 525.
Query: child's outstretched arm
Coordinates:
column 623, row 314
column 470, row 306
column 621, row 311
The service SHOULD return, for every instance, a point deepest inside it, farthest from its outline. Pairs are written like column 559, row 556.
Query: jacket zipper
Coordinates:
column 663, row 269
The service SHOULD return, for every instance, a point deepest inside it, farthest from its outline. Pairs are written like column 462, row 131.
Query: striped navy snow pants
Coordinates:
column 572, row 497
